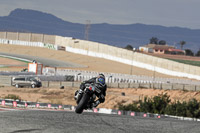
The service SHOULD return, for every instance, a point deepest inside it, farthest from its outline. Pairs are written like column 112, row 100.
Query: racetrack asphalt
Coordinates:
column 40, row 121
column 46, row 61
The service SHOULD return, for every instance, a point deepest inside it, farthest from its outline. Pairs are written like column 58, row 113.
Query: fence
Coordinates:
column 164, row 86
column 6, row 81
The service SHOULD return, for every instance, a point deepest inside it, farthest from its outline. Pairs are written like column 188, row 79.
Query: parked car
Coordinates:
column 26, row 82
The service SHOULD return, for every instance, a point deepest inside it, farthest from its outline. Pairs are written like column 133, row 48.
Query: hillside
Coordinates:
column 24, row 20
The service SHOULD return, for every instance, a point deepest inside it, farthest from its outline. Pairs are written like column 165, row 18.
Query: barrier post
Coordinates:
column 14, row 103
column 3, row 103
column 49, row 105
column 26, row 105
column 60, row 106
column 37, row 105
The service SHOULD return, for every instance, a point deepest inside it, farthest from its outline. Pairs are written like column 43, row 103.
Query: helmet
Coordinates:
column 101, row 75
column 100, row 80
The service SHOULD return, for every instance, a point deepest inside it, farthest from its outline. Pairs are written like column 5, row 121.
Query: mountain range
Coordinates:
column 25, row 20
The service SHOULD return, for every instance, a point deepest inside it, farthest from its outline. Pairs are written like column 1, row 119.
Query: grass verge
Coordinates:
column 189, row 62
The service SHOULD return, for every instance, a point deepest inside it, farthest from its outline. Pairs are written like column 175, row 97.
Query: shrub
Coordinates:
column 12, row 96
column 161, row 104
column 129, row 107
column 146, row 106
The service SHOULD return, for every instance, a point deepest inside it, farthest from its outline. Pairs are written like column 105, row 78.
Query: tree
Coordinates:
column 129, row 47
column 182, row 43
column 189, row 52
column 153, row 40
column 198, row 53
column 162, row 42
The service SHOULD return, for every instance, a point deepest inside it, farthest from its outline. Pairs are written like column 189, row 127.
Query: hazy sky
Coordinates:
column 182, row 13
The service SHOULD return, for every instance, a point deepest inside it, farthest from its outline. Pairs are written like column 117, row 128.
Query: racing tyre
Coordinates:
column 83, row 102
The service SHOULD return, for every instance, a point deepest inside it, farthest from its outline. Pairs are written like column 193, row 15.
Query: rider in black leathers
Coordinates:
column 99, row 82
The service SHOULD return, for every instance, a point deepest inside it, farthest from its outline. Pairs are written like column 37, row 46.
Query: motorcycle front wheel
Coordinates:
column 82, row 103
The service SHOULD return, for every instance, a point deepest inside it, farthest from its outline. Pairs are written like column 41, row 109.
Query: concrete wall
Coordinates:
column 3, row 35
column 24, row 37
column 5, row 81
column 136, row 59
column 12, row 35
column 31, row 37
column 128, row 85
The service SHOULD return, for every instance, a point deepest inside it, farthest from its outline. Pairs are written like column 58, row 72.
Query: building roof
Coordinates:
column 163, row 47
column 149, row 45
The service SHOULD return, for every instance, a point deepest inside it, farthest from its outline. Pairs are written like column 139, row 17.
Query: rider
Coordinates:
column 99, row 82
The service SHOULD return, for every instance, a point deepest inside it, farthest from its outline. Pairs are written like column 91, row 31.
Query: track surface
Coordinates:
column 45, row 61
column 36, row 121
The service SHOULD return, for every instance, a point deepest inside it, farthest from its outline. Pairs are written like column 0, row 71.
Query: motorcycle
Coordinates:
column 87, row 98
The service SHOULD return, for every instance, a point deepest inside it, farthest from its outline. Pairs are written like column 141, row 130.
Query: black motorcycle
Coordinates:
column 87, row 98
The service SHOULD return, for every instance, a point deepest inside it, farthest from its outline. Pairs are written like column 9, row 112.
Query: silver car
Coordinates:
column 26, row 82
